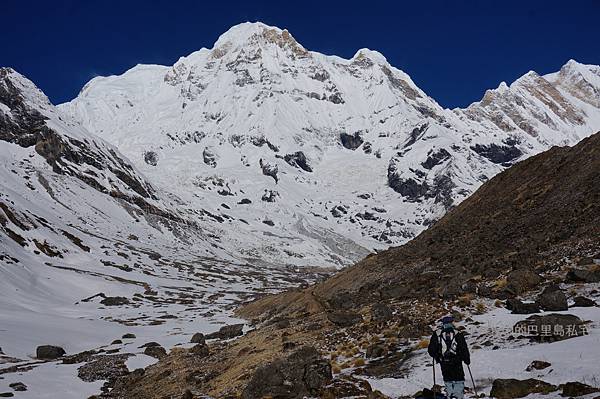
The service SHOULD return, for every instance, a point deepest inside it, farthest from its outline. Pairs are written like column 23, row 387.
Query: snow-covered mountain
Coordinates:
column 89, row 250
column 309, row 159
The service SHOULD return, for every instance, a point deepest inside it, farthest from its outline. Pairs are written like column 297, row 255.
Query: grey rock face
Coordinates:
column 298, row 160
column 498, row 154
column 351, row 141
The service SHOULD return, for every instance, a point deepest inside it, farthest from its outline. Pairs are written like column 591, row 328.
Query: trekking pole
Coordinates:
column 433, row 365
column 472, row 380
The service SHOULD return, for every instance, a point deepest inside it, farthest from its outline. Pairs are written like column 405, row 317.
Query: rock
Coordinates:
column 151, row 158
column 104, row 367
column 502, row 154
column 114, row 301
column 79, row 357
column 394, row 291
column 187, row 395
column 298, row 160
column 299, row 375
column 551, row 327
column 583, row 276
column 269, row 169
column 552, row 299
column 210, row 157
column 200, row 350
column 227, row 332
column 376, row 350
column 342, row 300
column 344, row 318
column 537, row 365
column 520, row 280
column 351, row 142
column 116, row 342
column 512, row 388
column 198, row 338
column 583, row 302
column 269, row 196
column 518, row 307
column 49, row 352
column 157, row 352
column 6, row 394
column 347, row 386
column 380, row 313
column 574, row 389
column 18, row 386
column 128, row 336
column 149, row 344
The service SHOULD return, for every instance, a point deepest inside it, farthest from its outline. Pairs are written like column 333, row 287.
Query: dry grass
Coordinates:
column 464, row 300
column 422, row 344
column 359, row 361
column 480, row 308
column 498, row 303
column 500, row 283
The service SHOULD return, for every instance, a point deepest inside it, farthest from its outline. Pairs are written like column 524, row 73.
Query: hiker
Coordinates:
column 449, row 348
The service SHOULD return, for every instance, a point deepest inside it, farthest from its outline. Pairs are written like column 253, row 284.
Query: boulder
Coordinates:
column 299, row 375
column 574, row 389
column 551, row 327
column 380, row 313
column 552, row 299
column 583, row 276
column 511, row 388
column 114, row 301
column 519, row 307
column 520, row 280
column 344, row 318
column 198, row 338
column 227, row 332
column 376, row 350
column 537, row 365
column 49, row 352
column 18, row 386
column 342, row 300
column 128, row 336
column 200, row 350
column 583, row 302
column 6, row 394
column 149, row 344
column 157, row 352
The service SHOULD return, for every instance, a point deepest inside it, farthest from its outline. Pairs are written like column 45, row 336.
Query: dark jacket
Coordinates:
column 451, row 363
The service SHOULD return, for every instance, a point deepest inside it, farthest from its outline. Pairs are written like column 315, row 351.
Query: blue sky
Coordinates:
column 454, row 50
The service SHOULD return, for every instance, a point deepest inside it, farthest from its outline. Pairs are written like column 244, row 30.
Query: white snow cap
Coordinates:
column 242, row 32
column 373, row 55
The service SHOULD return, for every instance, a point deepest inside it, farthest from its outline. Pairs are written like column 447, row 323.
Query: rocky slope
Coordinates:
column 529, row 233
column 311, row 159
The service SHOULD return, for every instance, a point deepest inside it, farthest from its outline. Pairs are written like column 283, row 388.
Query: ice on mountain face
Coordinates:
column 241, row 112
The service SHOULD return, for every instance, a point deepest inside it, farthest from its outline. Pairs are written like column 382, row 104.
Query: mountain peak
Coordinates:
column 256, row 34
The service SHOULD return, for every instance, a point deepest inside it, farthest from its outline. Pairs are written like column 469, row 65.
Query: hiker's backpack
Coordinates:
column 448, row 346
